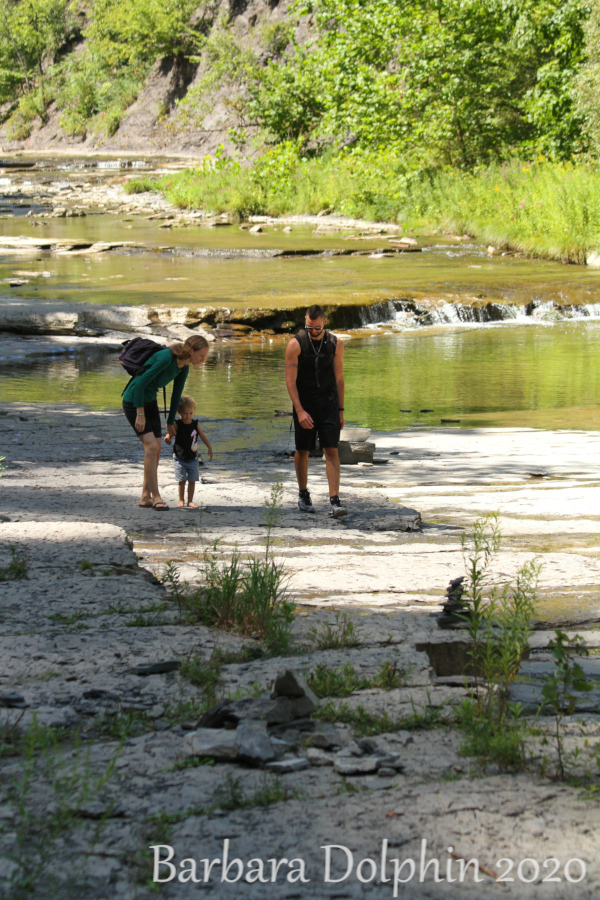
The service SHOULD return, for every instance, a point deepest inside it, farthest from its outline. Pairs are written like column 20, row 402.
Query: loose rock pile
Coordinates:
column 276, row 732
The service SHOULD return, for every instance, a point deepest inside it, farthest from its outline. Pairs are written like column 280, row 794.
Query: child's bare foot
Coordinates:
column 193, row 505
column 180, row 505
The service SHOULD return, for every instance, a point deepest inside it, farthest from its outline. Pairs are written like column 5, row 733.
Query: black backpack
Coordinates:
column 134, row 356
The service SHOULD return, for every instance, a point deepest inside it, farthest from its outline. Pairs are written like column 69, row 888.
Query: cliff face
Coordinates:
column 153, row 124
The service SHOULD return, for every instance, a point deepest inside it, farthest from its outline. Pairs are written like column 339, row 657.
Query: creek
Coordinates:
column 539, row 367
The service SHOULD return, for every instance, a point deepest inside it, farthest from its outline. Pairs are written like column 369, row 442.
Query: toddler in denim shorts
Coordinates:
column 185, row 450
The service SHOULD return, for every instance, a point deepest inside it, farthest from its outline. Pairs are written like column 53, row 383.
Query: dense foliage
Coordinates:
column 90, row 59
column 587, row 82
column 454, row 81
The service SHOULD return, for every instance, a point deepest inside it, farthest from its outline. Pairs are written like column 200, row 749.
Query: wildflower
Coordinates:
column 496, row 188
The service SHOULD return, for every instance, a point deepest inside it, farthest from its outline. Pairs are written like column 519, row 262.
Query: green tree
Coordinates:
column 587, row 82
column 458, row 82
column 127, row 31
column 31, row 34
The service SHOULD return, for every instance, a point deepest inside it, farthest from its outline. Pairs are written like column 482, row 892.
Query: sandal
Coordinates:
column 159, row 505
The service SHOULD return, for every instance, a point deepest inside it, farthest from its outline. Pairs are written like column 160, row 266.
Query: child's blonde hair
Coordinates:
column 186, row 403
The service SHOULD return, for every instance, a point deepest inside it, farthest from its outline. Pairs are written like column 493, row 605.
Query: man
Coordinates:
column 315, row 382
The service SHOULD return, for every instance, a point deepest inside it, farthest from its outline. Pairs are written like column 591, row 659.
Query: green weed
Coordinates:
column 85, row 566
column 149, row 616
column 499, row 624
column 367, row 724
column 561, row 688
column 231, row 794
column 247, row 597
column 502, row 743
column 391, row 675
column 350, row 787
column 342, row 681
column 141, row 185
column 65, row 784
column 11, row 734
column 16, row 570
column 499, row 621
column 64, row 619
column 340, row 635
column 203, row 673
column 336, row 682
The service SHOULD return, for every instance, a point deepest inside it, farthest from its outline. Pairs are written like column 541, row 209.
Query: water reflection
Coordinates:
column 499, row 375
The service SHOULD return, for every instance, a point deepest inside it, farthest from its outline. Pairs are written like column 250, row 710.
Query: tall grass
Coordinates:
column 545, row 209
column 542, row 208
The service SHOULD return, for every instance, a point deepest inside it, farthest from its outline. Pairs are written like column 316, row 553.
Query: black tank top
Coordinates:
column 316, row 378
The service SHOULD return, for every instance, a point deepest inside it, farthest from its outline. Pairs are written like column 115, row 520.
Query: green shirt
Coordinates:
column 159, row 371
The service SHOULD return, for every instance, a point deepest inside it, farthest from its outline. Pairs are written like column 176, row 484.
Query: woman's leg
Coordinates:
column 150, row 492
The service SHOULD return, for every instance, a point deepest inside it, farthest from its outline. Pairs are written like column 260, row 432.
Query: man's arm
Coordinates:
column 338, row 371
column 292, row 354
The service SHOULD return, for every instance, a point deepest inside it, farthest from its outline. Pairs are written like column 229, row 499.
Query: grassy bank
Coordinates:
column 545, row 209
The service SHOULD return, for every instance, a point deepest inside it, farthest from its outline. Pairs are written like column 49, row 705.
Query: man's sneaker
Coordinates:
column 336, row 509
column 304, row 502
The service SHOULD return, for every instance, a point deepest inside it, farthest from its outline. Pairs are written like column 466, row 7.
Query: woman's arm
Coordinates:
column 178, row 386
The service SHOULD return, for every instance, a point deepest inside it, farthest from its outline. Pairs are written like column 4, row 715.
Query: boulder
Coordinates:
column 350, row 765
column 254, row 744
column 317, row 757
column 270, row 710
column 355, row 435
column 256, row 229
column 292, row 764
column 292, row 684
column 325, row 737
column 593, row 260
column 352, row 452
column 217, row 743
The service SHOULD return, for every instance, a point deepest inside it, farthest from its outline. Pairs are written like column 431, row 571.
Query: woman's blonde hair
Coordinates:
column 195, row 342
column 186, row 402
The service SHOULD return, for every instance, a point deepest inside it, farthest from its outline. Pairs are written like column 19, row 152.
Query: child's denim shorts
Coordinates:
column 186, row 471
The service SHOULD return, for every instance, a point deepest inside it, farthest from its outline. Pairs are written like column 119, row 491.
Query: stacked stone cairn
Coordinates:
column 276, row 732
column 454, row 609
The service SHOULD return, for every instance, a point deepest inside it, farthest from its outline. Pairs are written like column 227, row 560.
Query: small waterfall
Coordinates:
column 404, row 314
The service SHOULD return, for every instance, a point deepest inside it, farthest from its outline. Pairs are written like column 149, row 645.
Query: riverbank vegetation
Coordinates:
column 465, row 115
column 550, row 209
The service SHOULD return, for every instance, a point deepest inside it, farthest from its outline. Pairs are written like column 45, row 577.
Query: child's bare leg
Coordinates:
column 181, row 486
column 191, row 489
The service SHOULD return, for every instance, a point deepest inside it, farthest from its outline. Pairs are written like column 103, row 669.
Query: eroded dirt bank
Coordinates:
column 82, row 632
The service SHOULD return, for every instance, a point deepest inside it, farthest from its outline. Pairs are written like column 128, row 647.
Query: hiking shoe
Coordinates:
column 336, row 510
column 304, row 502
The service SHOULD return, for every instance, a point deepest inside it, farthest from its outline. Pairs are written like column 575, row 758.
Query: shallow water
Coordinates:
column 499, row 375
column 543, row 375
column 163, row 274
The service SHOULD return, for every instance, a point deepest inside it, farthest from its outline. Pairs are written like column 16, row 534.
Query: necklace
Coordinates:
column 317, row 352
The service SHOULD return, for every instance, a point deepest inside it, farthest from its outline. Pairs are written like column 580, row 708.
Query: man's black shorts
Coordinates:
column 326, row 417
column 152, row 413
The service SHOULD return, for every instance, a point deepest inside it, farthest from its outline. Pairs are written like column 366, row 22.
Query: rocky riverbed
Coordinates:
column 91, row 643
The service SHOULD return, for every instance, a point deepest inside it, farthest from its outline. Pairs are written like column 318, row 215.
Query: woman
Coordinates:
column 141, row 408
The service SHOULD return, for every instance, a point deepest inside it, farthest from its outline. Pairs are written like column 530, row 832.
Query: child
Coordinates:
column 185, row 450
